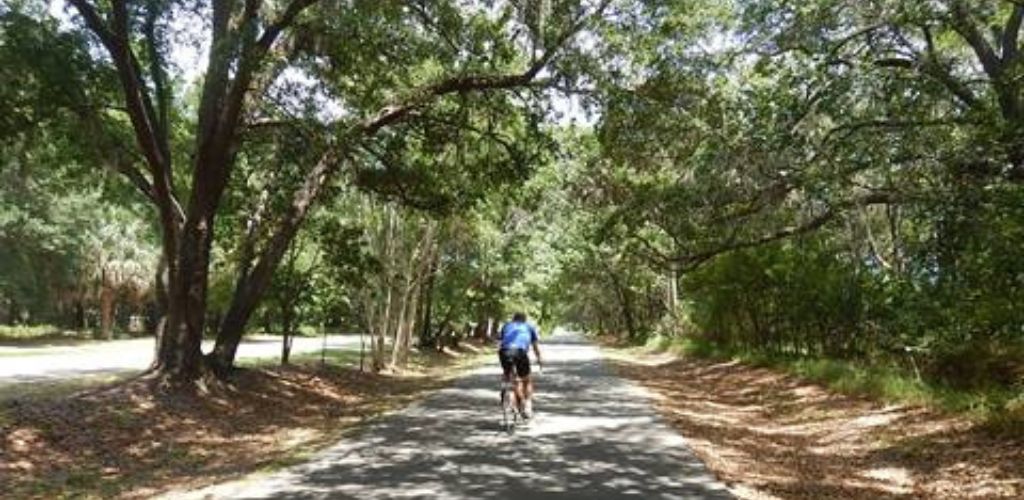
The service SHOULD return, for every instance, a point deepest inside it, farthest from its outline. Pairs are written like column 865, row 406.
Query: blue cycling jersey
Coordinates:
column 518, row 335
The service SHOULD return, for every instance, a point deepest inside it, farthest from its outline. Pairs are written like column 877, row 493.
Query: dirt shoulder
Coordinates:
column 133, row 440
column 771, row 435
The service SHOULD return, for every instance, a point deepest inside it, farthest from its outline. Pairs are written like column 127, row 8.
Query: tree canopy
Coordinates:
column 828, row 177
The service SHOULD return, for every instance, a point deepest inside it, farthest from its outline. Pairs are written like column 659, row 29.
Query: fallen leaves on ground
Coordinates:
column 134, row 439
column 770, row 435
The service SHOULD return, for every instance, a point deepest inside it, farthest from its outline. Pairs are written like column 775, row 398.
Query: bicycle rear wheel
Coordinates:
column 507, row 414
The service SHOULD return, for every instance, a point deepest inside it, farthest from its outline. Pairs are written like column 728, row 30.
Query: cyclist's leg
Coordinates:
column 509, row 397
column 520, row 395
column 525, row 384
column 507, row 365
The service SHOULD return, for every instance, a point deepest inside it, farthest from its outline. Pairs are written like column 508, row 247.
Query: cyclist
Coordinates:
column 517, row 336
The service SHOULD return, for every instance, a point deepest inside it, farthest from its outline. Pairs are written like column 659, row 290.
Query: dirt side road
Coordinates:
column 32, row 364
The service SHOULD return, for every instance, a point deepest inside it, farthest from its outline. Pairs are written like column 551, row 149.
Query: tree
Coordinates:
column 820, row 180
column 53, row 209
column 119, row 261
column 251, row 45
column 291, row 292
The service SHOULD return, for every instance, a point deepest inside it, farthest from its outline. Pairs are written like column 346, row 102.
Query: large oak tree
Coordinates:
column 488, row 47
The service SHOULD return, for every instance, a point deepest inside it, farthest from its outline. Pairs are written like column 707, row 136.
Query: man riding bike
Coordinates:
column 517, row 336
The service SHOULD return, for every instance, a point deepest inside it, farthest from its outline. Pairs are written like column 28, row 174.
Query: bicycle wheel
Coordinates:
column 517, row 411
column 506, row 407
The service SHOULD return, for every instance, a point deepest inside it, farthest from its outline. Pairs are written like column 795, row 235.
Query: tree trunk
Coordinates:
column 428, row 302
column 410, row 325
column 673, row 292
column 399, row 333
column 287, row 335
column 179, row 355
column 106, row 307
column 362, row 351
column 397, row 328
column 626, row 303
column 254, row 276
column 286, row 348
column 407, row 340
column 79, row 314
column 382, row 333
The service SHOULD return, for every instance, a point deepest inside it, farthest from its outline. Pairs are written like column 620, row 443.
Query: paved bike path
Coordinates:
column 595, row 436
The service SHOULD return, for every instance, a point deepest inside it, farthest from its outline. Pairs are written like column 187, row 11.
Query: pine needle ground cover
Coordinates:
column 133, row 439
column 770, row 434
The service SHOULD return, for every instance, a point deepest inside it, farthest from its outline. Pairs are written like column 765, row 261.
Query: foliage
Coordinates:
column 830, row 178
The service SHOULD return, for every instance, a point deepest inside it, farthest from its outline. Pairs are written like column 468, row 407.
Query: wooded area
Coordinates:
column 829, row 178
column 780, row 200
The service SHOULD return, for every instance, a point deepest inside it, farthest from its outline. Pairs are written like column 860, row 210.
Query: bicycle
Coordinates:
column 510, row 405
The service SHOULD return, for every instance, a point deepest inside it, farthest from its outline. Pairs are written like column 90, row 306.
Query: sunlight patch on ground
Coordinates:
column 899, row 479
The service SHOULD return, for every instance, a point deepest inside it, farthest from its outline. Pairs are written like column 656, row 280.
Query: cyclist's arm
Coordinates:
column 536, row 347
column 497, row 340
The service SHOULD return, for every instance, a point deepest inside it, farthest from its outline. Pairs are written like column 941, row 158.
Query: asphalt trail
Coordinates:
column 596, row 435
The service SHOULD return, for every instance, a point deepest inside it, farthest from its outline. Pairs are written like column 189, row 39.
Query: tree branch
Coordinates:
column 1011, row 35
column 693, row 261
column 883, row 123
column 269, row 36
column 969, row 31
column 157, row 72
column 136, row 97
column 94, row 22
column 139, row 107
column 461, row 84
column 930, row 65
column 472, row 83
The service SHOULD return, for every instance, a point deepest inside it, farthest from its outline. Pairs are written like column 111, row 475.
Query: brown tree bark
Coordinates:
column 427, row 301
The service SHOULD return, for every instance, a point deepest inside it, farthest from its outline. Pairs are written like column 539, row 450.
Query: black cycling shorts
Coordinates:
column 514, row 358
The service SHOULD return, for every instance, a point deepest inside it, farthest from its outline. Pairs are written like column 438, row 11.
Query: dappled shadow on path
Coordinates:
column 595, row 437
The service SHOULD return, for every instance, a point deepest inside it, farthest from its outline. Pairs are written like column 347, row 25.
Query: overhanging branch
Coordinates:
column 472, row 83
column 695, row 260
column 1011, row 35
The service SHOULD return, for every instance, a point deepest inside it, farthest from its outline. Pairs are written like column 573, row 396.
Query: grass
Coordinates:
column 33, row 335
column 21, row 332
column 1000, row 409
column 22, row 351
column 332, row 356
